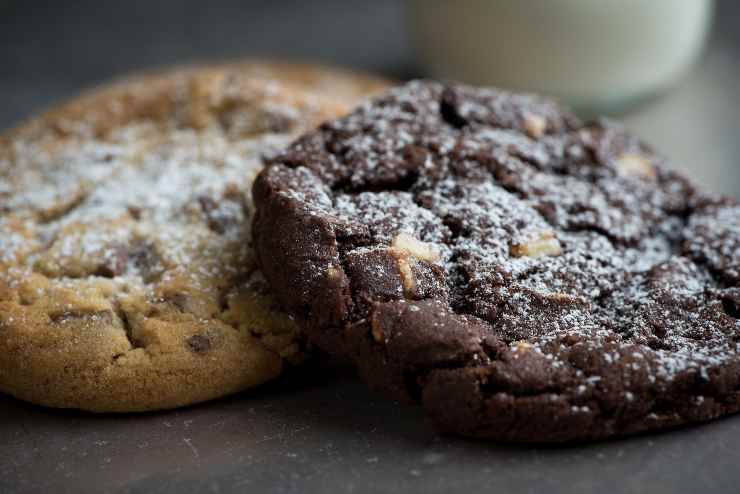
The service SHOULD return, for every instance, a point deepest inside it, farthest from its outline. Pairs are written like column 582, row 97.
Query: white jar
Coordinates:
column 597, row 55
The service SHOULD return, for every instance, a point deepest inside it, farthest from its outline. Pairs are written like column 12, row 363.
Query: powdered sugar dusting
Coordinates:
column 544, row 237
column 150, row 201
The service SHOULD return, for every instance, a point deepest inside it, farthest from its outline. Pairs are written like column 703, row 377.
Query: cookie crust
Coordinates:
column 522, row 275
column 127, row 282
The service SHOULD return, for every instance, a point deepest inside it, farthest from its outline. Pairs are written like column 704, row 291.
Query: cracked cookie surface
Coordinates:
column 127, row 280
column 522, row 275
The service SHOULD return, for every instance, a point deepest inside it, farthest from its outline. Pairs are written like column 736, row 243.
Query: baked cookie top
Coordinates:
column 127, row 280
column 523, row 275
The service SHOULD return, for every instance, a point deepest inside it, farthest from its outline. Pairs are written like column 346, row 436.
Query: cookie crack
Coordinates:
column 415, row 378
column 454, row 266
column 126, row 326
column 47, row 217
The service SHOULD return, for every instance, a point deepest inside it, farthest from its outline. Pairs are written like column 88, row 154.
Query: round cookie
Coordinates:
column 522, row 275
column 127, row 280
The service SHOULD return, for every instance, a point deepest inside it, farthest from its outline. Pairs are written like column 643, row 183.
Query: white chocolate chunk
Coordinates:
column 535, row 125
column 544, row 244
column 634, row 165
column 377, row 331
column 407, row 275
column 414, row 247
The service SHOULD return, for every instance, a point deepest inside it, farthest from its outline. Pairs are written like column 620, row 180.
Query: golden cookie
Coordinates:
column 127, row 280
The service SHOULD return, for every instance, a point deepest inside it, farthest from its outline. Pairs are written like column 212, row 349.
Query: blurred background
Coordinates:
column 607, row 60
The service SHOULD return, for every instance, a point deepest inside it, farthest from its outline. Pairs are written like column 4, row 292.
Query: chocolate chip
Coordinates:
column 207, row 204
column 145, row 258
column 731, row 306
column 199, row 343
column 114, row 263
column 233, row 192
column 135, row 212
column 408, row 107
column 278, row 122
column 179, row 300
column 415, row 156
column 448, row 108
column 217, row 221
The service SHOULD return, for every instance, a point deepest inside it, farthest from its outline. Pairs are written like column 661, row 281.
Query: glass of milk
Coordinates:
column 597, row 55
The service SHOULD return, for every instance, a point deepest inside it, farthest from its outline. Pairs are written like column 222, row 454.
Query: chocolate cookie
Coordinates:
column 522, row 275
column 127, row 281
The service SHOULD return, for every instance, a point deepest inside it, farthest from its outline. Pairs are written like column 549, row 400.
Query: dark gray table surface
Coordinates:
column 322, row 430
